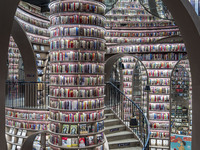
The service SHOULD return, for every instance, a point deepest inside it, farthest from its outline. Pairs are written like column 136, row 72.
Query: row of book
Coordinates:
column 13, row 67
column 126, row 84
column 31, row 19
column 131, row 40
column 159, row 134
column 127, row 79
column 13, row 45
column 160, row 65
column 113, row 33
column 159, row 125
column 13, row 55
column 13, row 77
column 128, row 66
column 159, row 81
column 77, row 105
column 89, row 19
column 159, row 73
column 77, row 7
column 77, row 129
column 159, row 106
column 128, row 4
column 13, row 61
column 127, row 72
column 79, row 142
column 32, row 9
column 161, row 57
column 159, row 98
column 13, row 50
column 137, row 24
column 77, row 56
column 159, row 142
column 77, row 80
column 159, row 116
column 148, row 48
column 160, row 90
column 19, row 132
column 77, row 117
column 27, row 115
column 89, row 44
column 33, row 29
column 127, row 12
column 76, row 93
column 77, row 31
column 37, row 39
column 76, row 68
column 26, row 125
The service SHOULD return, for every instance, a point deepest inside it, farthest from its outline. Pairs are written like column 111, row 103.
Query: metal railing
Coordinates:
column 129, row 113
column 27, row 95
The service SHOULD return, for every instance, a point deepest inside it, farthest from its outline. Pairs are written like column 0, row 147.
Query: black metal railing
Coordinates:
column 27, row 95
column 129, row 113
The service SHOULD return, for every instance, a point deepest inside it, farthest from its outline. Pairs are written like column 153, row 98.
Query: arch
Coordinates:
column 189, row 25
column 110, row 62
column 26, row 50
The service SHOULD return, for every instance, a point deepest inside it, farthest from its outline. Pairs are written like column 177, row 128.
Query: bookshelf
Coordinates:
column 76, row 74
column 21, row 123
column 36, row 26
column 13, row 61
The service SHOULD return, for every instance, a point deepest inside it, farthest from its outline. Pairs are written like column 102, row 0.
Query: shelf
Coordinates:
column 77, row 97
column 64, row 122
column 59, row 85
column 71, row 148
column 76, row 37
column 13, row 143
column 80, row 110
column 19, row 136
column 167, row 147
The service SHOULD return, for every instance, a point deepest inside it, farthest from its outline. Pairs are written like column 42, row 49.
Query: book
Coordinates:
column 69, row 142
column 74, row 142
column 11, row 130
column 73, row 129
column 19, row 132
column 99, row 138
column 91, row 140
column 64, row 141
column 83, row 129
column 65, row 129
column 24, row 133
column 20, row 140
column 82, row 142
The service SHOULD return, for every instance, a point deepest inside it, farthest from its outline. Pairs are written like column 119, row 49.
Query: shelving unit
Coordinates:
column 36, row 26
column 14, row 57
column 22, row 123
column 76, row 72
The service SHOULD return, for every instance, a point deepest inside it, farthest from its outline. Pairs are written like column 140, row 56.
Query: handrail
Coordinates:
column 145, row 142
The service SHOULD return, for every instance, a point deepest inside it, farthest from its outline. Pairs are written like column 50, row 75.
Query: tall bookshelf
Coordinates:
column 77, row 47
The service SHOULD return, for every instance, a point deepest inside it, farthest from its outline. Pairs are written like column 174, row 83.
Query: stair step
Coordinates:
column 111, row 122
column 107, row 110
column 114, row 129
column 129, row 148
column 124, row 143
column 119, row 135
column 110, row 116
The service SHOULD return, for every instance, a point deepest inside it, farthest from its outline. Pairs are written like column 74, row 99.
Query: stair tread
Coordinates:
column 110, row 114
column 110, row 120
column 114, row 126
column 119, row 133
column 123, row 141
column 128, row 148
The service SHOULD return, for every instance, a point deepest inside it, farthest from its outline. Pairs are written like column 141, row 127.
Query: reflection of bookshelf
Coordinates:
column 13, row 61
column 22, row 123
column 76, row 74
column 181, row 114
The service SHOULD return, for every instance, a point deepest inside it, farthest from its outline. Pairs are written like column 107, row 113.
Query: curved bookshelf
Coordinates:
column 77, row 74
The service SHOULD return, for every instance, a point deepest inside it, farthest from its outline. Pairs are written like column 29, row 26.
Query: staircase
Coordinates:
column 118, row 135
